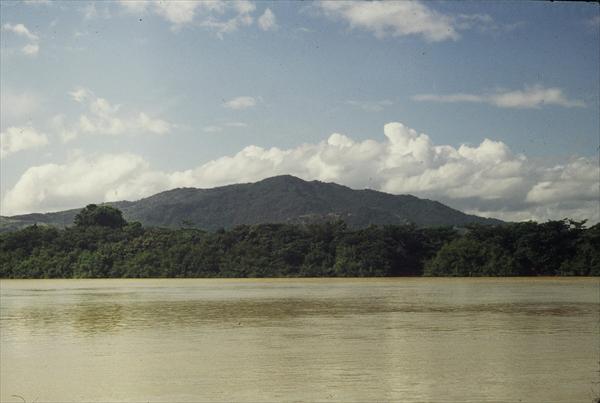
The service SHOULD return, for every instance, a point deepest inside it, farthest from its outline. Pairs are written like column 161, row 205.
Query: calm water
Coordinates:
column 302, row 340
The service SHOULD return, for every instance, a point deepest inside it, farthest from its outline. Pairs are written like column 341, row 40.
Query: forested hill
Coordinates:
column 280, row 199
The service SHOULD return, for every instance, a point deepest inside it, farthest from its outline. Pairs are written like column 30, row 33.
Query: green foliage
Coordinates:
column 107, row 247
column 104, row 216
column 562, row 247
column 466, row 257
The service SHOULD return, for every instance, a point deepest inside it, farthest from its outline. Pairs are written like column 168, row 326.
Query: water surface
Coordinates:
column 415, row 339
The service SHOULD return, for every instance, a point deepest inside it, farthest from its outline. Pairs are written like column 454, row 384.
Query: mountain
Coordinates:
column 274, row 200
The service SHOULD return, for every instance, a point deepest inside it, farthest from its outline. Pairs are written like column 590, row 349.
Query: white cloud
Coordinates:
column 398, row 18
column 244, row 6
column 145, row 123
column 16, row 139
column 21, row 30
column 580, row 177
column 212, row 129
column 30, row 49
column 77, row 182
column 219, row 16
column 104, row 118
column 177, row 12
column 80, row 94
column 135, row 7
column 216, row 129
column 267, row 21
column 484, row 23
column 487, row 179
column 371, row 106
column 240, row 103
column 225, row 26
column 90, row 11
column 532, row 97
column 409, row 17
column 66, row 132
column 234, row 14
column 37, row 2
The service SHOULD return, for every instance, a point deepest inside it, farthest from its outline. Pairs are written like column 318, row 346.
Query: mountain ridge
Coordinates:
column 278, row 199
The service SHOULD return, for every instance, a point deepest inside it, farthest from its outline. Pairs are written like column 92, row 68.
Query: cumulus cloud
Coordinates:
column 244, row 102
column 16, row 139
column 79, row 181
column 267, row 21
column 580, row 177
column 30, row 49
column 104, row 118
column 487, row 179
column 403, row 18
column 398, row 18
column 532, row 97
column 219, row 16
column 21, row 30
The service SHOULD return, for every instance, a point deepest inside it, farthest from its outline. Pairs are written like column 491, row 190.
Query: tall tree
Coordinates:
column 104, row 216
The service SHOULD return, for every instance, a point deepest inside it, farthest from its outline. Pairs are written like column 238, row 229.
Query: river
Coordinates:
column 401, row 339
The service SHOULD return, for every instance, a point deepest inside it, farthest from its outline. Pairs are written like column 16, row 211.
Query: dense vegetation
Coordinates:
column 102, row 244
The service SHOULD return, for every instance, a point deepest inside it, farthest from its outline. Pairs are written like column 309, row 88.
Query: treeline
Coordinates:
column 101, row 244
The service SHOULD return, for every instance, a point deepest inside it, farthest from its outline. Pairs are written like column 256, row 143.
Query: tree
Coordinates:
column 467, row 257
column 104, row 216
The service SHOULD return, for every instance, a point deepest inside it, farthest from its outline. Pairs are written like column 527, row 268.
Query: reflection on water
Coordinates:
column 97, row 316
column 306, row 340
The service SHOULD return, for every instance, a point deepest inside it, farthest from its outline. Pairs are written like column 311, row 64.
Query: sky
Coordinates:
column 489, row 107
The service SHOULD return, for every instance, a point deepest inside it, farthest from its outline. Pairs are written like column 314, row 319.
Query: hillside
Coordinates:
column 274, row 200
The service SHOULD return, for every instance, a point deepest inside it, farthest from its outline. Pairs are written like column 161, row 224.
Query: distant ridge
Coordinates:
column 279, row 199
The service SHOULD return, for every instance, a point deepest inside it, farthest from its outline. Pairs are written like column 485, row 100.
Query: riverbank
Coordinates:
column 329, row 249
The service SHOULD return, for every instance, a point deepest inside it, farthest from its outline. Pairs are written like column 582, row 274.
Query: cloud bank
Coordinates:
column 487, row 179
column 532, row 97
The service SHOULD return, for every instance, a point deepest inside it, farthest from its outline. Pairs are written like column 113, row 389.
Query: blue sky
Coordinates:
column 119, row 100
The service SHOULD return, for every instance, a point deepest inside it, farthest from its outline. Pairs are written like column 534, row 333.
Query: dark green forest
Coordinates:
column 102, row 244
